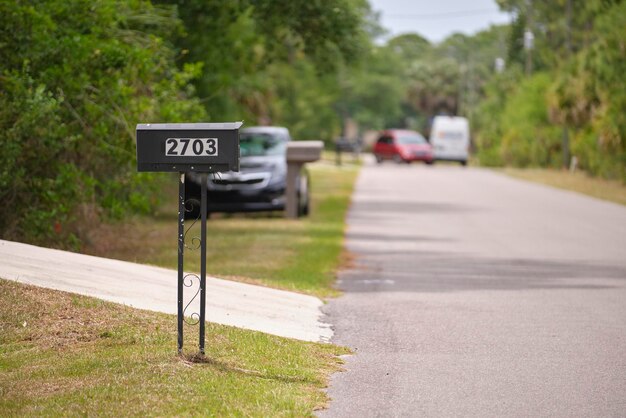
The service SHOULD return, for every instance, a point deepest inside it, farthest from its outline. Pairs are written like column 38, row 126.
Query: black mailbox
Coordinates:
column 181, row 147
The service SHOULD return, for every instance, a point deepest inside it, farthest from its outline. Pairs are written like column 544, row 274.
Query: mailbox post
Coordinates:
column 189, row 147
column 298, row 153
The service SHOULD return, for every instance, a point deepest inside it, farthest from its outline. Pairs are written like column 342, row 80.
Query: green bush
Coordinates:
column 528, row 137
column 597, row 106
column 486, row 120
column 581, row 88
column 75, row 78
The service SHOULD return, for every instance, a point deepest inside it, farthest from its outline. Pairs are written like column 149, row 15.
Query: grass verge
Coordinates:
column 301, row 255
column 64, row 354
column 611, row 190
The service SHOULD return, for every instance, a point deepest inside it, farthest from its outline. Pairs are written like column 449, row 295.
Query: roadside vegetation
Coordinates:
column 611, row 190
column 62, row 354
column 564, row 97
column 262, row 248
column 76, row 77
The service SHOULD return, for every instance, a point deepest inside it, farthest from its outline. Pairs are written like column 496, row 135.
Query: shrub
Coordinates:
column 75, row 78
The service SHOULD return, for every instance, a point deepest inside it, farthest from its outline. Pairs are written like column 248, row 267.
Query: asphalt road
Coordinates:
column 474, row 294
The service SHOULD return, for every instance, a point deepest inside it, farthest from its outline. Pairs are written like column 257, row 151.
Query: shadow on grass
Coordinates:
column 198, row 358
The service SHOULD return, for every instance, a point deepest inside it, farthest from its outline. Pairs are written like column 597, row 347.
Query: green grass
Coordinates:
column 63, row 354
column 301, row 255
column 580, row 182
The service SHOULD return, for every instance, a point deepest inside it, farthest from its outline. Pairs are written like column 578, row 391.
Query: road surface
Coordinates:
column 475, row 294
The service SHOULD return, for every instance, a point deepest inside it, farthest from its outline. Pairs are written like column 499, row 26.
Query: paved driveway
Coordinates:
column 474, row 294
column 259, row 308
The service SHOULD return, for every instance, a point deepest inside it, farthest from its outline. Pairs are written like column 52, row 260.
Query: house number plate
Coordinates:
column 191, row 147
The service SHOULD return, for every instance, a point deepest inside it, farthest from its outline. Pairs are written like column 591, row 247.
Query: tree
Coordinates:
column 75, row 78
column 411, row 47
column 238, row 42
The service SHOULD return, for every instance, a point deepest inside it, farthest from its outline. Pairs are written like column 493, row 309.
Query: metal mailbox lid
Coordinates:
column 229, row 126
column 153, row 154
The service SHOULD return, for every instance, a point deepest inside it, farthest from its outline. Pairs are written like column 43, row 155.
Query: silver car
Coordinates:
column 261, row 182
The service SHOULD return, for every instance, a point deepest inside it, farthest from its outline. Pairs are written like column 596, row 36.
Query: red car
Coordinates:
column 403, row 146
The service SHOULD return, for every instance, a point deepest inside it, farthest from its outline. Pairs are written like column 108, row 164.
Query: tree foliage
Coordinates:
column 244, row 46
column 75, row 78
column 580, row 51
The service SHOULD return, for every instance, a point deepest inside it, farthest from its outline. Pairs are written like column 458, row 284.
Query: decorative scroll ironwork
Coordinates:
column 188, row 281
column 190, row 205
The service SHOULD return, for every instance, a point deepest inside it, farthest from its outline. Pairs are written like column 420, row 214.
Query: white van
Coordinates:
column 450, row 138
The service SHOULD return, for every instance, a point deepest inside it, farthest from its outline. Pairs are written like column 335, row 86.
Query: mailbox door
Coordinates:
column 188, row 147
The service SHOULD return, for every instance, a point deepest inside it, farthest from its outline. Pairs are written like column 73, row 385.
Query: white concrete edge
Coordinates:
column 247, row 306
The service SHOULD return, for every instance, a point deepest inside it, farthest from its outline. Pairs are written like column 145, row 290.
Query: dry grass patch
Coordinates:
column 64, row 354
column 612, row 190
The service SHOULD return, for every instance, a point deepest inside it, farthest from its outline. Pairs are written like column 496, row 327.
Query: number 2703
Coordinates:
column 191, row 147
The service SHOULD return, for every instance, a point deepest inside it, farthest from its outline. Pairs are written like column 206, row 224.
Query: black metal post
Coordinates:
column 181, row 249
column 203, row 211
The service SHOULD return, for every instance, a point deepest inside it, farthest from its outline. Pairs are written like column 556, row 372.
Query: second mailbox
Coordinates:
column 199, row 147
